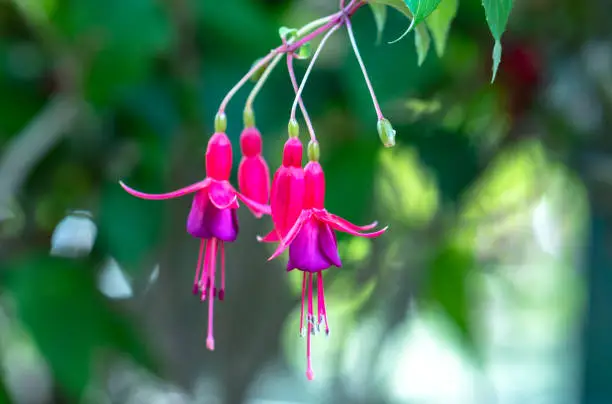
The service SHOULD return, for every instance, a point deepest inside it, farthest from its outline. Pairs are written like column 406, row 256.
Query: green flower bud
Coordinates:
column 313, row 151
column 386, row 132
column 249, row 118
column 294, row 128
column 220, row 122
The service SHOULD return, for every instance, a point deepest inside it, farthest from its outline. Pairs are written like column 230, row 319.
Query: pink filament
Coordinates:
column 309, row 372
column 302, row 309
column 210, row 340
column 204, row 272
column 322, row 295
column 196, row 281
column 222, row 244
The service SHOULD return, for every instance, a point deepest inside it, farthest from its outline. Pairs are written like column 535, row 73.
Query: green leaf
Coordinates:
column 68, row 318
column 439, row 23
column 422, row 42
column 448, row 289
column 380, row 17
column 497, row 13
column 421, row 9
column 399, row 5
column 304, row 51
column 287, row 34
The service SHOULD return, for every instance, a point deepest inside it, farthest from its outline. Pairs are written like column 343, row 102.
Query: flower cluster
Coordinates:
column 296, row 195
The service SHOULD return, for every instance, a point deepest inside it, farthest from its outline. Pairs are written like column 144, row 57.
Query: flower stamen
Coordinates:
column 210, row 340
column 196, row 280
column 309, row 372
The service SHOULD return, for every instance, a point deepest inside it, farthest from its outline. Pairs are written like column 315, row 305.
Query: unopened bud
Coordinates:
column 249, row 118
column 220, row 122
column 313, row 151
column 386, row 132
column 294, row 128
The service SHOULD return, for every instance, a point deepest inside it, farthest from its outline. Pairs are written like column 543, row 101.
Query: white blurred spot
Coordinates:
column 74, row 236
column 113, row 282
column 545, row 228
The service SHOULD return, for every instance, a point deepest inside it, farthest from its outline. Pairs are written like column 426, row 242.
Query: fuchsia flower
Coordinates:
column 212, row 219
column 313, row 248
column 253, row 172
column 288, row 187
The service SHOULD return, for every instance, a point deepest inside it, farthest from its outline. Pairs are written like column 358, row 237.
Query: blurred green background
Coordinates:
column 493, row 284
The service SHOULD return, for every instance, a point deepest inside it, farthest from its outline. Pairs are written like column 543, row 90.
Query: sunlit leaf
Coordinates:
column 380, row 17
column 421, row 9
column 399, row 5
column 439, row 23
column 421, row 42
column 497, row 13
column 68, row 318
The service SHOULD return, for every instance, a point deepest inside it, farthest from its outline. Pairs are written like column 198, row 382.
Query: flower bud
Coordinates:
column 315, row 186
column 253, row 172
column 292, row 153
column 219, row 157
column 386, row 132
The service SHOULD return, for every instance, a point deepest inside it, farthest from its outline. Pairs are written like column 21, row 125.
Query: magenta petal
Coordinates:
column 196, row 226
column 305, row 252
column 329, row 244
column 271, row 237
column 292, row 234
column 206, row 220
column 174, row 194
column 350, row 225
column 222, row 223
column 222, row 195
column 340, row 226
column 256, row 208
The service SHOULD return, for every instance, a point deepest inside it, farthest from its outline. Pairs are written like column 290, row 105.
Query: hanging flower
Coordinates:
column 288, row 189
column 313, row 248
column 253, row 172
column 212, row 219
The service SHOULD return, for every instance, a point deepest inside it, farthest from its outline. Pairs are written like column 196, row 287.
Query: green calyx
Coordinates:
column 249, row 118
column 386, row 132
column 293, row 128
column 314, row 151
column 220, row 122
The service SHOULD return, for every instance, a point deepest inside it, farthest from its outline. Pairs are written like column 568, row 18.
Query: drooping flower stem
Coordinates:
column 298, row 93
column 319, row 26
column 299, row 99
column 349, row 28
column 262, row 62
column 248, row 106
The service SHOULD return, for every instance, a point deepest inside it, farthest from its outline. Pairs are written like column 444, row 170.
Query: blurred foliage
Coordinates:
column 473, row 164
